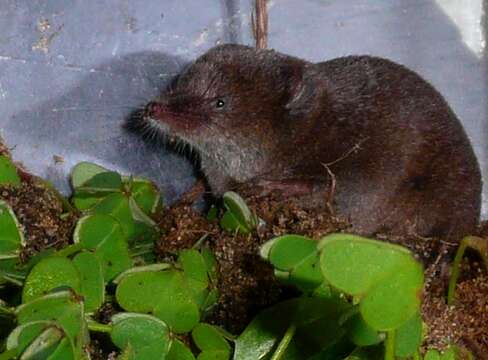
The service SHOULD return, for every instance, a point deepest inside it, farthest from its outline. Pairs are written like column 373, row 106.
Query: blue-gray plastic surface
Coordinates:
column 71, row 71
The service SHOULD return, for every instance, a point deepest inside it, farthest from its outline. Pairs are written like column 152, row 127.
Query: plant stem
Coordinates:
column 285, row 341
column 69, row 250
column 6, row 311
column 13, row 278
column 97, row 327
column 141, row 250
column 200, row 241
column 416, row 355
column 390, row 345
column 455, row 271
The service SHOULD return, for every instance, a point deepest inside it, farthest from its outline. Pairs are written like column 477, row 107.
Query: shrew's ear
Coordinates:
column 306, row 92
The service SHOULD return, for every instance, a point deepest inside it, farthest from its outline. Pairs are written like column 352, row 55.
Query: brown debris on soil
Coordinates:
column 39, row 212
column 466, row 321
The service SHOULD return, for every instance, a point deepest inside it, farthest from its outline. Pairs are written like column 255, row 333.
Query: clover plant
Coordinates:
column 360, row 298
column 11, row 241
column 375, row 288
column 132, row 201
column 237, row 217
column 52, row 315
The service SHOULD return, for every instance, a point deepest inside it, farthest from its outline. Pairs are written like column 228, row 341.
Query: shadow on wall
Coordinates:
column 86, row 124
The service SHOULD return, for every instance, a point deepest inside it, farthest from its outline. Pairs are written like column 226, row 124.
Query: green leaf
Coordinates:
column 210, row 341
column 92, row 286
column 229, row 223
column 454, row 352
column 296, row 258
column 360, row 333
column 104, row 235
column 63, row 307
column 85, row 201
column 408, row 337
column 117, row 206
column 139, row 215
column 48, row 274
column 317, row 321
column 8, row 172
column 386, row 278
column 164, row 294
column 212, row 296
column 212, row 213
column 213, row 355
column 146, row 195
column 211, row 264
column 144, row 235
column 83, row 172
column 148, row 336
column 65, row 351
column 367, row 353
column 179, row 351
column 193, row 264
column 238, row 217
column 195, row 271
column 432, row 355
column 449, row 354
column 93, row 230
column 137, row 269
column 289, row 250
column 11, row 237
column 44, row 345
column 24, row 334
column 12, row 272
column 109, row 181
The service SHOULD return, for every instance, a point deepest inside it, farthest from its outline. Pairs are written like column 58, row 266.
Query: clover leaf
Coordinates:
column 8, row 172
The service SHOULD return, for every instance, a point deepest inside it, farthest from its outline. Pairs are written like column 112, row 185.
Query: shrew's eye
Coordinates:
column 219, row 104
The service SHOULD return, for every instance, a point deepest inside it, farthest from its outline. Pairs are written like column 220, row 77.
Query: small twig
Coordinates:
column 259, row 21
column 333, row 179
column 330, row 196
column 349, row 152
column 200, row 241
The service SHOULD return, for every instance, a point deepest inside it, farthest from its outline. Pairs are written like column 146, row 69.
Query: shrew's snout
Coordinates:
column 152, row 109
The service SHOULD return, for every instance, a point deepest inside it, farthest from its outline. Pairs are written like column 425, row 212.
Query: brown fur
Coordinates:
column 401, row 160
